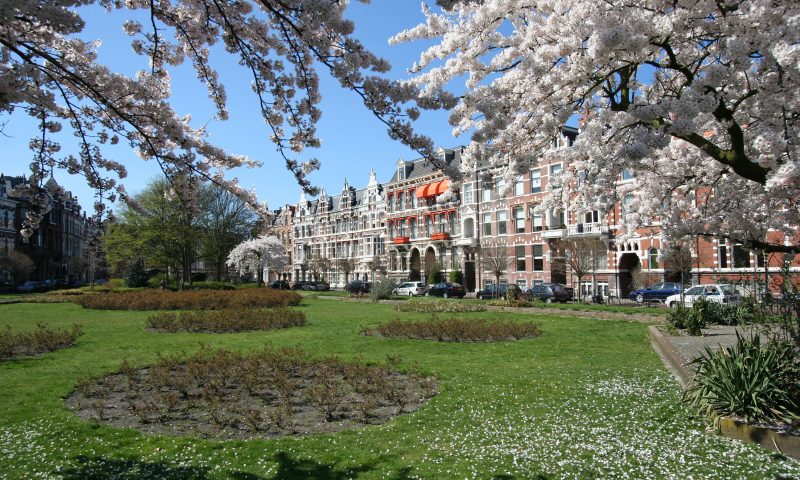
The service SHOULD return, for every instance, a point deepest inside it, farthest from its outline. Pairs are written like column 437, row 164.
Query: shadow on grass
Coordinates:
column 102, row 468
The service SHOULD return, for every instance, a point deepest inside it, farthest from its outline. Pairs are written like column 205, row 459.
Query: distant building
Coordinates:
column 280, row 225
column 58, row 247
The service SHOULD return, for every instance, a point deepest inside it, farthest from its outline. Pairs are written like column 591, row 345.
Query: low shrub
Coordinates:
column 220, row 393
column 223, row 321
column 38, row 341
column 753, row 381
column 456, row 330
column 382, row 289
column 190, row 299
column 438, row 306
column 519, row 303
column 689, row 319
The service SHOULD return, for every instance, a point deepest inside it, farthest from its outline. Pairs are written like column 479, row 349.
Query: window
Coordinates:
column 487, row 224
column 401, row 201
column 401, row 171
column 451, row 223
column 519, row 186
column 538, row 258
column 519, row 251
column 486, row 193
column 555, row 169
column 467, row 190
column 500, row 183
column 760, row 260
column 536, row 180
column 627, row 204
column 653, row 258
column 519, row 220
column 591, row 217
column 722, row 253
column 469, row 228
column 501, row 222
column 441, row 223
column 741, row 257
column 627, row 174
column 412, row 199
column 428, row 225
column 536, row 220
column 412, row 230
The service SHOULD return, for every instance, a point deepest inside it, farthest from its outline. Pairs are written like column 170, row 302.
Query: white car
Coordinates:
column 410, row 289
column 718, row 293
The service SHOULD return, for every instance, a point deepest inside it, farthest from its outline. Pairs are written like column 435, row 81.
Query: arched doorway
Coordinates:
column 415, row 266
column 629, row 264
column 430, row 262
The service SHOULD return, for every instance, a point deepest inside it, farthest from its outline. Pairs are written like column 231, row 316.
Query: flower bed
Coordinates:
column 456, row 330
column 222, row 394
column 190, row 300
column 439, row 306
column 38, row 341
column 225, row 321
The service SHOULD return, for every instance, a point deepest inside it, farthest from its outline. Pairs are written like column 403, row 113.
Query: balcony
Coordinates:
column 401, row 240
column 587, row 230
column 440, row 237
column 554, row 233
column 467, row 242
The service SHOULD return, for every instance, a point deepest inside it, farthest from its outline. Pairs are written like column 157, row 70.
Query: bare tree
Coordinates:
column 18, row 265
column 317, row 265
column 583, row 255
column 346, row 265
column 378, row 263
column 495, row 259
column 677, row 258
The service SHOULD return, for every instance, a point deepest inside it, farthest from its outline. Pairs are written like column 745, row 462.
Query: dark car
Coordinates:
column 493, row 291
column 550, row 292
column 317, row 286
column 658, row 292
column 31, row 286
column 358, row 286
column 280, row 285
column 298, row 285
column 446, row 290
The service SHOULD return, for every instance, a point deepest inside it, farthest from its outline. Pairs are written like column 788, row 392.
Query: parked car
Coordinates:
column 31, row 286
column 298, row 285
column 550, row 292
column 493, row 291
column 718, row 293
column 280, row 285
column 446, row 290
column 317, row 286
column 411, row 289
column 658, row 292
column 358, row 287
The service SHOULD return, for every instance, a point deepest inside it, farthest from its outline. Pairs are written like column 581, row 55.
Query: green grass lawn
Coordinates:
column 587, row 399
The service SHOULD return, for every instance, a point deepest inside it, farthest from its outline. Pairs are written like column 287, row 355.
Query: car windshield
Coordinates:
column 728, row 289
column 694, row 291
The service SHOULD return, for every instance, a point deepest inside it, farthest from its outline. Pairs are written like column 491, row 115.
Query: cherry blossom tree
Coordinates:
column 255, row 255
column 699, row 100
column 52, row 74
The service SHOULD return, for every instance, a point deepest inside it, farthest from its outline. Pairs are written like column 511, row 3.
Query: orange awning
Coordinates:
column 432, row 189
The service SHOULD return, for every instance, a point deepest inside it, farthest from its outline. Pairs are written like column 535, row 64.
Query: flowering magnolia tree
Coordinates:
column 254, row 256
column 698, row 100
column 49, row 72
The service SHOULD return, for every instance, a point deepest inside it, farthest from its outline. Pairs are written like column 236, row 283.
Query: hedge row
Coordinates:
column 190, row 300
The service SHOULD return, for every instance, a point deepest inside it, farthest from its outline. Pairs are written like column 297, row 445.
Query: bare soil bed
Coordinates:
column 222, row 394
column 36, row 342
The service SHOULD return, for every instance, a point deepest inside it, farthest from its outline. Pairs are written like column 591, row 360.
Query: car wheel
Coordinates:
column 548, row 300
column 673, row 305
column 427, row 294
column 410, row 294
column 444, row 295
column 640, row 298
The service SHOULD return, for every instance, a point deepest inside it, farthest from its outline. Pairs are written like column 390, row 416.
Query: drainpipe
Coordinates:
column 479, row 227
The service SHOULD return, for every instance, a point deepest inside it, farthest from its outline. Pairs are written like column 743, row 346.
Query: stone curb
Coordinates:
column 788, row 445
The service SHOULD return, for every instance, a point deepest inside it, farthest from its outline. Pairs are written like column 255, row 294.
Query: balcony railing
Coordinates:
column 440, row 236
column 554, row 233
column 586, row 229
column 401, row 240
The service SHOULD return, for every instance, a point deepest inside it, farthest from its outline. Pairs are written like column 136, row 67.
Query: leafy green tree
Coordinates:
column 225, row 221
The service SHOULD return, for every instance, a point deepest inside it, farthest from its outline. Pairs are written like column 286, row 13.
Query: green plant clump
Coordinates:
column 689, row 319
column 224, row 321
column 754, row 381
column 382, row 289
column 190, row 299
column 38, row 341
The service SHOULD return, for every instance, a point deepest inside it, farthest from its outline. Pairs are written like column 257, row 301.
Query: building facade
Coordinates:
column 58, row 247
column 281, row 226
column 341, row 237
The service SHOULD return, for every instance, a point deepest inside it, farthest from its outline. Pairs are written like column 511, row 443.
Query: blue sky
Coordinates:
column 353, row 140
